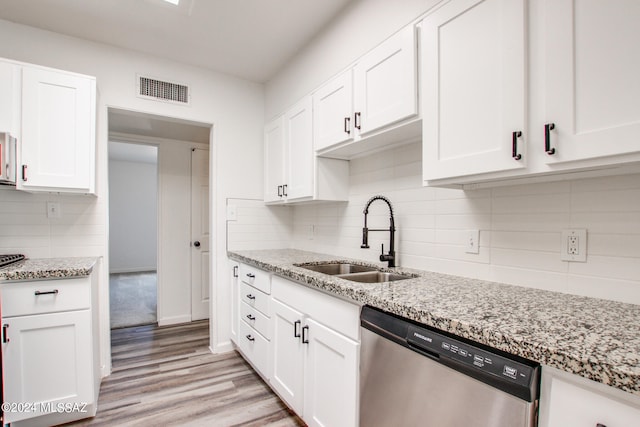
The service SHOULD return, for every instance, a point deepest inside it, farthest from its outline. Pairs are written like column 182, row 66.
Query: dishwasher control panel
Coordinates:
column 493, row 364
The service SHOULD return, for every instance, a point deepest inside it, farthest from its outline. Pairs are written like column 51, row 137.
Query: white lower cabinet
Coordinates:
column 315, row 367
column 49, row 351
column 253, row 318
column 235, row 298
column 568, row 400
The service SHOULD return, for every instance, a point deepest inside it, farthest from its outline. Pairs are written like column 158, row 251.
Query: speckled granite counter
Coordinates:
column 48, row 268
column 594, row 338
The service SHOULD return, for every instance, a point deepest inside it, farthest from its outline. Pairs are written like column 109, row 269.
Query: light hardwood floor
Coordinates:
column 166, row 376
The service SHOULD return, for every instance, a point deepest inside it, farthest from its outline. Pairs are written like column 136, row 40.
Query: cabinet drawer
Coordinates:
column 46, row 296
column 255, row 277
column 256, row 320
column 255, row 348
column 255, row 298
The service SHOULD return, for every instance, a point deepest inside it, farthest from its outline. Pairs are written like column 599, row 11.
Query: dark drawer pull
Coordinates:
column 296, row 329
column 547, row 138
column 53, row 292
column 251, row 276
column 250, row 317
column 250, row 338
column 5, row 337
column 250, row 296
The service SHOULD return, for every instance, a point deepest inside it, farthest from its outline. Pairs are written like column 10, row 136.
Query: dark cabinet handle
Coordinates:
column 547, row 138
column 24, row 173
column 296, row 330
column 600, row 425
column 196, row 244
column 251, row 275
column 347, row 127
column 5, row 337
column 356, row 120
column 250, row 338
column 235, row 271
column 250, row 317
column 279, row 190
column 305, row 336
column 284, row 190
column 53, row 292
column 250, row 296
column 514, row 145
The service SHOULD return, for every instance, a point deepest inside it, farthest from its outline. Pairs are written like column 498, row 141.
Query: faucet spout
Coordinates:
column 391, row 256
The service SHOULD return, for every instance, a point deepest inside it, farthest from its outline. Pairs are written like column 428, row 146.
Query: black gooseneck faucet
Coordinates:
column 391, row 256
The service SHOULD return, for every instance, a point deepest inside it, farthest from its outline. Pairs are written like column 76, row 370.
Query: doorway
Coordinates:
column 133, row 244
column 183, row 216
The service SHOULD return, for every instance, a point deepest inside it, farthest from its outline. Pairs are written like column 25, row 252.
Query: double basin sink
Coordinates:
column 355, row 272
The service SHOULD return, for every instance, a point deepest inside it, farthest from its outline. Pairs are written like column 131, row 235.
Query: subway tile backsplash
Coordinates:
column 520, row 227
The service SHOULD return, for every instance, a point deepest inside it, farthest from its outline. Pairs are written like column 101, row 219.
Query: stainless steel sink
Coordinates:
column 374, row 277
column 339, row 268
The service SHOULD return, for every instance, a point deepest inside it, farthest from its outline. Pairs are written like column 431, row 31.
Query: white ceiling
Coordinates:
column 138, row 153
column 252, row 39
column 149, row 125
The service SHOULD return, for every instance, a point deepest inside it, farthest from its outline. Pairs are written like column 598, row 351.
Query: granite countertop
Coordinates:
column 48, row 268
column 594, row 338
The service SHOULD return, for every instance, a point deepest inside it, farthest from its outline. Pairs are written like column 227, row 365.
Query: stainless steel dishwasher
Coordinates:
column 411, row 375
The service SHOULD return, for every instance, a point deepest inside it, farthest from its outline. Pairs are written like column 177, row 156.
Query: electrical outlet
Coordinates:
column 53, row 210
column 574, row 245
column 472, row 243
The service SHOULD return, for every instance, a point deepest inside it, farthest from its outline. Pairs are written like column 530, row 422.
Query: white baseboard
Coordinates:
column 131, row 270
column 223, row 347
column 174, row 320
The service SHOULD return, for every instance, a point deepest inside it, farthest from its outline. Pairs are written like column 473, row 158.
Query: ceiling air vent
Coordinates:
column 162, row 91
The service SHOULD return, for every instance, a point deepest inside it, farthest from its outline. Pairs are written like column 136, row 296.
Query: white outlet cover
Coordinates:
column 572, row 234
column 53, row 210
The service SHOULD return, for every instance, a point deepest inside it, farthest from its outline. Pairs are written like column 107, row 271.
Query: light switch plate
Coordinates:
column 53, row 210
column 472, row 242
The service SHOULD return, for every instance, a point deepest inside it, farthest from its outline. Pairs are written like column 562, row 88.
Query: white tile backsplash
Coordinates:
column 520, row 227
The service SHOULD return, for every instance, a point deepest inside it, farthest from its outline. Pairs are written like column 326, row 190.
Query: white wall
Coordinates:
column 519, row 227
column 235, row 107
column 133, row 214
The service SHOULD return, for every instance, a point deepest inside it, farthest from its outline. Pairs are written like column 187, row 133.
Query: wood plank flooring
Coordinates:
column 166, row 376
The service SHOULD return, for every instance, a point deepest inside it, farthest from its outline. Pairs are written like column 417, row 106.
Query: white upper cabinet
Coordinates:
column 385, row 88
column 530, row 90
column 57, row 144
column 473, row 79
column 10, row 98
column 333, row 112
column 299, row 137
column 274, row 160
column 293, row 172
column 592, row 67
column 372, row 105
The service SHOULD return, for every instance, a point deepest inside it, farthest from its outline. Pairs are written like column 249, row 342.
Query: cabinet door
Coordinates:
column 288, row 357
column 274, row 161
column 570, row 405
column 235, row 299
column 301, row 158
column 58, row 131
column 332, row 109
column 473, row 75
column 48, row 358
column 591, row 79
column 385, row 89
column 10, row 98
column 331, row 372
